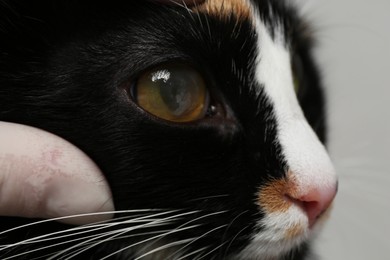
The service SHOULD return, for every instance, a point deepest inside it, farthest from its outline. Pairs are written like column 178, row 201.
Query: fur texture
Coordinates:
column 192, row 188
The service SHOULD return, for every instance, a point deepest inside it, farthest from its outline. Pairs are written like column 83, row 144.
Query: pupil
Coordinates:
column 177, row 92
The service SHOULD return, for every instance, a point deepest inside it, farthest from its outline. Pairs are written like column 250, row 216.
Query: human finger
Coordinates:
column 44, row 176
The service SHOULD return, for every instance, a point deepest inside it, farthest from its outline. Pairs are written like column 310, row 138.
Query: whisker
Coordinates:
column 231, row 241
column 193, row 220
column 126, row 230
column 205, row 234
column 142, row 234
column 70, row 241
column 89, row 226
column 76, row 216
column 148, row 239
column 95, row 237
column 231, row 223
column 90, row 243
column 210, row 197
column 192, row 253
column 210, row 252
column 57, row 254
column 165, row 247
column 123, row 237
column 198, row 15
column 173, row 231
column 71, row 231
column 184, row 5
column 49, row 246
column 208, row 27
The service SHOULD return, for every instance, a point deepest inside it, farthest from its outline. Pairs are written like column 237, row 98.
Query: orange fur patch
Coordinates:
column 225, row 9
column 276, row 196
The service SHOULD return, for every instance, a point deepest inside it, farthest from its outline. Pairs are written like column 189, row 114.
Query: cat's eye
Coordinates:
column 175, row 92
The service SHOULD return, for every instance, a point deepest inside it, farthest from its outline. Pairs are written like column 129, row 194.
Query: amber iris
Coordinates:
column 175, row 93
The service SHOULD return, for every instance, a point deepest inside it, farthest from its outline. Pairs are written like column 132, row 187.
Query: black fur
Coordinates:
column 65, row 67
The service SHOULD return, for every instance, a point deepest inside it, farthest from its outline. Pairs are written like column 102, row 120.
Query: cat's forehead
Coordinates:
column 277, row 15
column 241, row 9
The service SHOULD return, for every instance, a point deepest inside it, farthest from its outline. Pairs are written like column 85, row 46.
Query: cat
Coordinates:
column 208, row 122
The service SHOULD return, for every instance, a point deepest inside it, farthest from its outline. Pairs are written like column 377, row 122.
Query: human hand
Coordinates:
column 44, row 176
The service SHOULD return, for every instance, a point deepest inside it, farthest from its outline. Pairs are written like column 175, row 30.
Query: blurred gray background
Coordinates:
column 354, row 52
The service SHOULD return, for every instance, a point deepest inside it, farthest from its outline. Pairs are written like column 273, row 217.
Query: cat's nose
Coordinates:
column 314, row 200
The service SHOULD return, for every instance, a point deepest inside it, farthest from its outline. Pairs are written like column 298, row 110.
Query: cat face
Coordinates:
column 208, row 122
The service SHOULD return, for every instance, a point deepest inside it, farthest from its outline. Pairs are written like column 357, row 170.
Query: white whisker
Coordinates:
column 89, row 226
column 71, row 231
column 210, row 197
column 82, row 238
column 196, row 219
column 148, row 239
column 126, row 230
column 192, row 253
column 196, row 239
column 115, row 238
column 210, row 252
column 231, row 222
column 165, row 247
column 77, row 216
column 90, row 243
column 231, row 242
column 50, row 246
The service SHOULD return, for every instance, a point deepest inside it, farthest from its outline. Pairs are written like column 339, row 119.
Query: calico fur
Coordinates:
column 66, row 67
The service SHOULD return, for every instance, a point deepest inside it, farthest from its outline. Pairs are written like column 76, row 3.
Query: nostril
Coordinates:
column 313, row 211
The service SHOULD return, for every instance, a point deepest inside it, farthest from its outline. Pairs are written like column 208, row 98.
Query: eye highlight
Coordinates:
column 174, row 92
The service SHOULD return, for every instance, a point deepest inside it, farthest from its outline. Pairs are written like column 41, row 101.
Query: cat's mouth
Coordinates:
column 281, row 233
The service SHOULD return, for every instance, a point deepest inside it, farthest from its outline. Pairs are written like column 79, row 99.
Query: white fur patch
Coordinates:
column 305, row 154
column 306, row 157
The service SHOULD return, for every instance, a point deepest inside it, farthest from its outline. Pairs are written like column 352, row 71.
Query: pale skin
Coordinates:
column 44, row 176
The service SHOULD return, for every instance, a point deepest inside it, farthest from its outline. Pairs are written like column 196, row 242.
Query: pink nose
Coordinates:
column 315, row 201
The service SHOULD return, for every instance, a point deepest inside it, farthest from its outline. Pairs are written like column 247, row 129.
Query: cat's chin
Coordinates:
column 282, row 234
column 271, row 249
